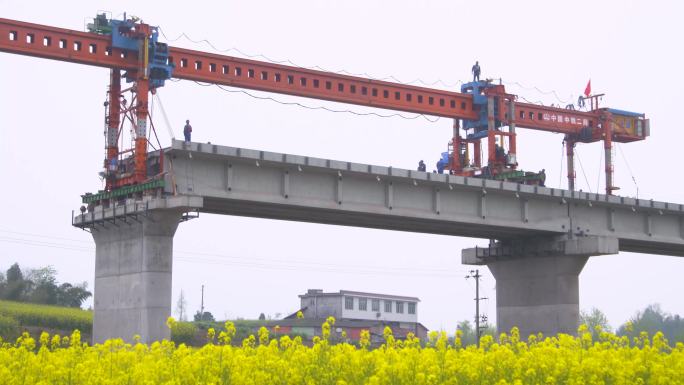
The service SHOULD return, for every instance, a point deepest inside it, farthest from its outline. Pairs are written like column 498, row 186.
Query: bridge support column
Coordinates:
column 537, row 281
column 538, row 294
column 133, row 264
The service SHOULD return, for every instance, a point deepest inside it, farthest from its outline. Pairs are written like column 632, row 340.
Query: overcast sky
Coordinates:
column 52, row 144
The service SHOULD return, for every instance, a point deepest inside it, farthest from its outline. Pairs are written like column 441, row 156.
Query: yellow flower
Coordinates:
column 263, row 336
column 364, row 339
column 549, row 360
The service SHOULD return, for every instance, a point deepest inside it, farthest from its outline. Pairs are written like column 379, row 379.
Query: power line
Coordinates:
column 287, row 61
column 45, row 236
column 314, row 67
column 582, row 168
column 263, row 263
column 628, row 168
column 393, row 115
column 535, row 88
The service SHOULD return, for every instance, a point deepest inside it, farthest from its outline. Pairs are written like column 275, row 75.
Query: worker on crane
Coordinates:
column 187, row 130
column 580, row 102
column 499, row 153
column 476, row 72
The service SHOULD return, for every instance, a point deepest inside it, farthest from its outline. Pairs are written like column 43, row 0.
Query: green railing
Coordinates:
column 89, row 198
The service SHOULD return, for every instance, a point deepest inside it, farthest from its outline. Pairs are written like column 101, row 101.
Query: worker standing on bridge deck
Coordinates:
column 421, row 166
column 476, row 72
column 542, row 177
column 187, row 130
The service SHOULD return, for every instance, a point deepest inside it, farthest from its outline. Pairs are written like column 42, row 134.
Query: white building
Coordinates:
column 354, row 305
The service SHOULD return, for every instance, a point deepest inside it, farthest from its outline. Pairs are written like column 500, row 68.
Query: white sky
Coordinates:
column 51, row 142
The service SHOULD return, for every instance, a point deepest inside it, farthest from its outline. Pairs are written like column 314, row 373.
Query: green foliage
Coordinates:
column 183, row 332
column 654, row 319
column 9, row 328
column 41, row 286
column 206, row 317
column 596, row 321
column 46, row 316
column 467, row 332
column 14, row 286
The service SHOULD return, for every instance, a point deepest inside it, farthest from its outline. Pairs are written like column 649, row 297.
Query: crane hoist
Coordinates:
column 482, row 112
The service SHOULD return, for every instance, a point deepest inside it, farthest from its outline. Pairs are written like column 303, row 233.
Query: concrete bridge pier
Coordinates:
column 537, row 280
column 133, row 267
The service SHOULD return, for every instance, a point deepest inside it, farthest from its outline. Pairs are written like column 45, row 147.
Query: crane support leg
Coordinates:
column 477, row 153
column 490, row 131
column 512, row 150
column 608, row 149
column 456, row 164
column 570, row 152
column 113, row 121
column 141, row 131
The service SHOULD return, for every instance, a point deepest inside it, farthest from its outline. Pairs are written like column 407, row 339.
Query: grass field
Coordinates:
column 49, row 317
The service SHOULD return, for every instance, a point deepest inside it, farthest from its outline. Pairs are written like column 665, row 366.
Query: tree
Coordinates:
column 207, row 316
column 467, row 332
column 41, row 286
column 595, row 319
column 72, row 296
column 262, row 317
column 14, row 273
column 15, row 286
column 181, row 307
column 652, row 320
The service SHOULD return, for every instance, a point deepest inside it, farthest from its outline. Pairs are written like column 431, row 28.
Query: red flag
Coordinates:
column 587, row 90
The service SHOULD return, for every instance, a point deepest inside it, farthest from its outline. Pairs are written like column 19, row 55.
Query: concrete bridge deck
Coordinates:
column 239, row 181
column 544, row 236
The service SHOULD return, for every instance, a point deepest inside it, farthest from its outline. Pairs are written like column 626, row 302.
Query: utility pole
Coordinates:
column 476, row 274
column 202, row 305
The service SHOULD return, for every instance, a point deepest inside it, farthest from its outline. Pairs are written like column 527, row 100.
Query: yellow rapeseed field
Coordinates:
column 563, row 359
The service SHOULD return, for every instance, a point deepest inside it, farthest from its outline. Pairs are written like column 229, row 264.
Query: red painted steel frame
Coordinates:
column 93, row 49
column 553, row 119
column 63, row 44
column 252, row 74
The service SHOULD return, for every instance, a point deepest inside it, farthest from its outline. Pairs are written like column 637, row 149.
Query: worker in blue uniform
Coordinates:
column 476, row 72
column 187, row 130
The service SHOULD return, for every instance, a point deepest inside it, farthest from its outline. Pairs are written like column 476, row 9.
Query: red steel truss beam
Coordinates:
column 252, row 74
column 553, row 119
column 63, row 44
column 92, row 49
column 566, row 121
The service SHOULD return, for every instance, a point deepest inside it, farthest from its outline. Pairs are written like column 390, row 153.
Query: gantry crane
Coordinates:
column 483, row 110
